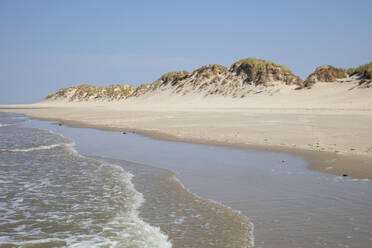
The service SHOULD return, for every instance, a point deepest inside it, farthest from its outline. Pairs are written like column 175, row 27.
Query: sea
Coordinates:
column 63, row 186
column 53, row 196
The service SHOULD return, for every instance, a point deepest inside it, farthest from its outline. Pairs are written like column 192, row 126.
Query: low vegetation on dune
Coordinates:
column 140, row 90
column 263, row 72
column 213, row 79
column 174, row 75
column 211, row 67
column 169, row 78
column 244, row 77
column 365, row 70
column 258, row 64
column 332, row 74
column 325, row 73
column 85, row 92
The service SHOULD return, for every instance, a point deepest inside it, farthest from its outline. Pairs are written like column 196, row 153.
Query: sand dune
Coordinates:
column 333, row 118
column 274, row 109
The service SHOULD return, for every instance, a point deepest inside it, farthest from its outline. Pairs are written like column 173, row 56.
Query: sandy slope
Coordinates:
column 329, row 118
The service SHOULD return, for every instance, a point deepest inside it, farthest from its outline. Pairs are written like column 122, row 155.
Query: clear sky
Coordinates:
column 47, row 45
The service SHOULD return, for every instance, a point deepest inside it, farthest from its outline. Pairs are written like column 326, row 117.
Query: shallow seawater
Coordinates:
column 52, row 196
column 289, row 205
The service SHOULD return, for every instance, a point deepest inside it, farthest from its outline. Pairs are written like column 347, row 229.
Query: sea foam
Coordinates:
column 36, row 148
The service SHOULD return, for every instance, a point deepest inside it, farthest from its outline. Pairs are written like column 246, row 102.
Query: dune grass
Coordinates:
column 365, row 70
column 260, row 64
column 174, row 74
column 86, row 91
column 212, row 67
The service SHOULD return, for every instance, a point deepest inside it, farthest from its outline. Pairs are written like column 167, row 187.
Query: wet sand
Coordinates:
column 289, row 205
column 187, row 219
column 333, row 141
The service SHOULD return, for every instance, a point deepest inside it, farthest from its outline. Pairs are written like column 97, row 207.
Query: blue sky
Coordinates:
column 47, row 45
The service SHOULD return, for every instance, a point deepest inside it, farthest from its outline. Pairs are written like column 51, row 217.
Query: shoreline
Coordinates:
column 323, row 161
column 281, row 199
column 161, row 186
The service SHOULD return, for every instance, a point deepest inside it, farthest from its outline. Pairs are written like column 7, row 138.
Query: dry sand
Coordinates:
column 330, row 125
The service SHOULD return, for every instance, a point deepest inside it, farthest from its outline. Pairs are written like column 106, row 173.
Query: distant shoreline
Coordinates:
column 348, row 164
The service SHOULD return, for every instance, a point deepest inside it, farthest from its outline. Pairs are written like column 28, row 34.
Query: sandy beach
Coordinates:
column 331, row 127
column 186, row 124
column 286, row 204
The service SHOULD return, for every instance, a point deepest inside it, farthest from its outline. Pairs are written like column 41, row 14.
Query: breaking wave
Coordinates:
column 37, row 148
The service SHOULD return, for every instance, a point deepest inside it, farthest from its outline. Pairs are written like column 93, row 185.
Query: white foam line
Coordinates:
column 34, row 148
column 156, row 236
column 251, row 231
column 6, row 125
column 12, row 124
column 38, row 241
column 250, row 234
